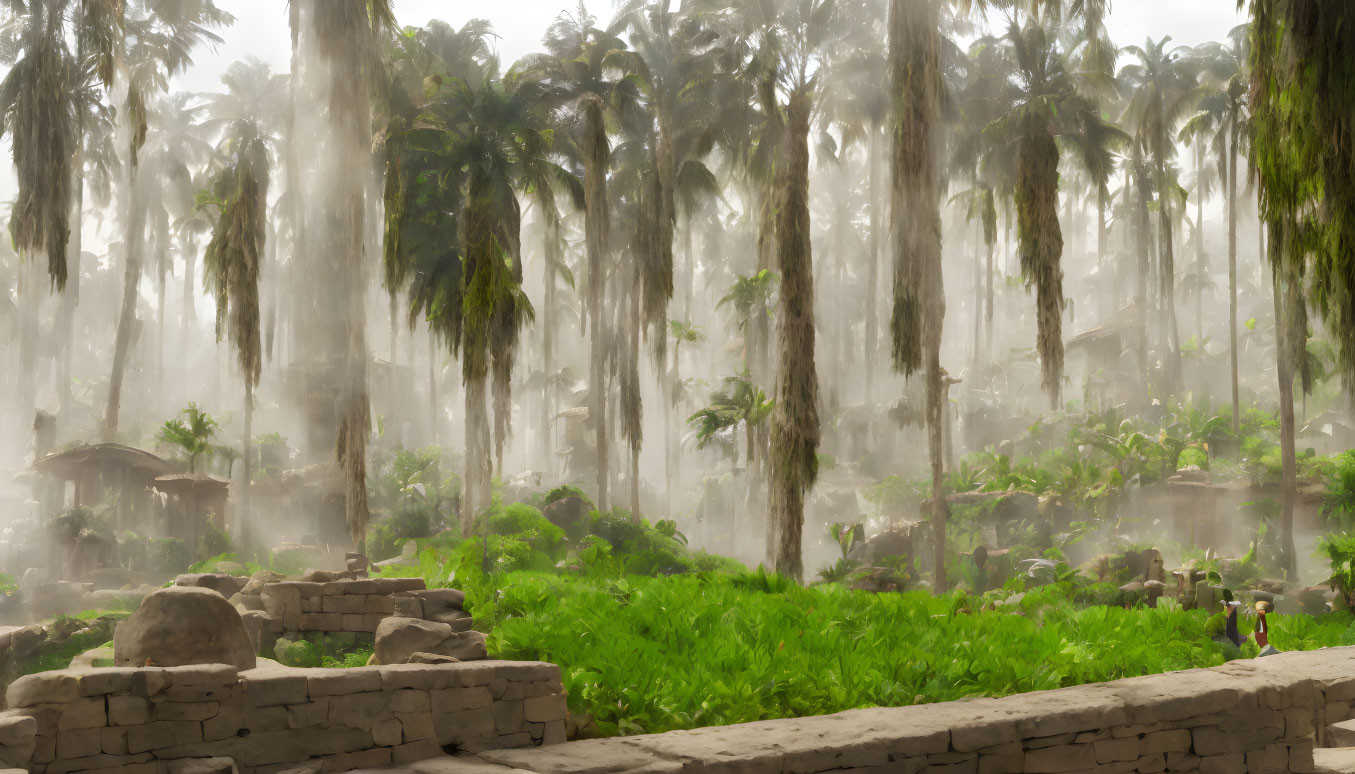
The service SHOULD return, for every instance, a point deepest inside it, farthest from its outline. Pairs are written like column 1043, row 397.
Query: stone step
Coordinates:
column 1341, row 734
column 1334, row 760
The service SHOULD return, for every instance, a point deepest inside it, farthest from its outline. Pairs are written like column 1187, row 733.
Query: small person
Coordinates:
column 1262, row 632
column 1230, row 627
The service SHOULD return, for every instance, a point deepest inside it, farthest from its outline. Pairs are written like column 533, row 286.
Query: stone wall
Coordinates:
column 153, row 720
column 346, row 609
column 1259, row 716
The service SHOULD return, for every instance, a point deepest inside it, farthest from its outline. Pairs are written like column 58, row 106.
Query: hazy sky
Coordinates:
column 261, row 26
column 260, row 30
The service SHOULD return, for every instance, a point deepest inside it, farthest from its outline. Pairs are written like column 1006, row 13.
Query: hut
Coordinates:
column 88, row 473
column 191, row 502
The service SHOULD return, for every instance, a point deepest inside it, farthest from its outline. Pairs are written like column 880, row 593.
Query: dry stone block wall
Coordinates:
column 272, row 719
column 1262, row 716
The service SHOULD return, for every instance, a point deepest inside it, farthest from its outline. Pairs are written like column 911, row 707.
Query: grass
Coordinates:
column 644, row 655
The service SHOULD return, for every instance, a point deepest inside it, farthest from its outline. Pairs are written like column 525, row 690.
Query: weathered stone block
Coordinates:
column 376, row 604
column 79, row 743
column 252, row 720
column 113, row 741
column 1151, row 764
column 358, row 710
column 457, row 699
column 123, row 764
column 16, row 729
column 387, row 733
column 1173, row 740
column 312, row 713
column 83, row 713
column 178, row 710
column 354, row 622
column 266, row 689
column 98, row 682
column 128, row 710
column 410, row 700
column 543, row 709
column 161, row 734
column 334, row 682
column 419, row 750
column 1271, row 759
column 465, row 726
column 1115, row 750
column 1209, row 740
column 416, row 725
column 345, row 604
column 1223, row 764
column 43, row 688
column 321, row 622
column 508, row 717
column 1056, row 760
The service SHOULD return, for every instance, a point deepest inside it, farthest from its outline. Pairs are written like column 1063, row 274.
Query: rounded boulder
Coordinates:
column 182, row 625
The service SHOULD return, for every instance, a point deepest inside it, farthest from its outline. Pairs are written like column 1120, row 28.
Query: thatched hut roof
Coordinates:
column 71, row 463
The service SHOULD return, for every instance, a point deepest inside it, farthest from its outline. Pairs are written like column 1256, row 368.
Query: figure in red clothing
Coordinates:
column 1262, row 631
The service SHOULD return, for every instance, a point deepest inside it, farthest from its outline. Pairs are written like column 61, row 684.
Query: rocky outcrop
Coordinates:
column 398, row 639
column 182, row 625
column 223, row 584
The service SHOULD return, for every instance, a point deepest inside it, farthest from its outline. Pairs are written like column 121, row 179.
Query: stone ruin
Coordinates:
column 188, row 692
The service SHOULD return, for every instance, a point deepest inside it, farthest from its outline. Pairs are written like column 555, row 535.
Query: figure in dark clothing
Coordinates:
column 1230, row 628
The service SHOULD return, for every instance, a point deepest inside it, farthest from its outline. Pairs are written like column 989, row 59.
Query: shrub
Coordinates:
column 525, row 523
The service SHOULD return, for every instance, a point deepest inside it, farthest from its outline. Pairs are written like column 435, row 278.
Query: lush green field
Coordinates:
column 646, row 654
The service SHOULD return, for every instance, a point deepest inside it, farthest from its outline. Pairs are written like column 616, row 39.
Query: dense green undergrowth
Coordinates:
column 644, row 655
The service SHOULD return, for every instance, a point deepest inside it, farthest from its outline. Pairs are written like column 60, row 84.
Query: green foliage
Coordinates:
column 561, row 492
column 8, row 584
column 192, row 432
column 1339, row 548
column 154, row 556
column 292, row 561
column 228, row 563
column 318, row 650
column 526, row 523
column 754, row 646
column 1338, row 504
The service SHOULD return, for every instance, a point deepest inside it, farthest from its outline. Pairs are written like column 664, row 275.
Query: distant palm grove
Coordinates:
column 727, row 262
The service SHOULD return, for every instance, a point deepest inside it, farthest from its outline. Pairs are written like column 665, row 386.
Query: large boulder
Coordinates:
column 182, row 625
column 398, row 639
column 566, row 512
column 223, row 584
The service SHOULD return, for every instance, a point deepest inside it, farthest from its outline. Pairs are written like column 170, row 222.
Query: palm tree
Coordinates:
column 43, row 114
column 346, row 35
column 1301, row 82
column 1044, row 102
column 234, row 258
column 574, row 64
column 915, row 226
column 802, row 36
column 1163, row 89
column 159, row 41
column 1221, row 119
column 489, row 138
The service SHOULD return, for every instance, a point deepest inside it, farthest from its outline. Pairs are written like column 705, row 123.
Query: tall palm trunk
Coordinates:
column 1041, row 245
column 475, row 489
column 245, row 516
column 1171, row 338
column 392, row 405
column 1232, row 272
column 597, row 226
column 873, row 267
column 1286, row 292
column 1142, row 235
column 552, row 252
column 915, row 230
column 1199, row 245
column 70, row 300
column 795, row 422
column 131, row 279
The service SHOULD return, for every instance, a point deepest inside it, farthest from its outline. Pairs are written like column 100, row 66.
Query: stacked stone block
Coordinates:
column 152, row 720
